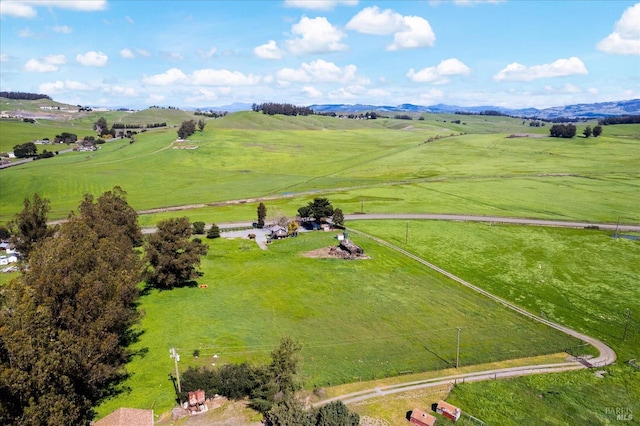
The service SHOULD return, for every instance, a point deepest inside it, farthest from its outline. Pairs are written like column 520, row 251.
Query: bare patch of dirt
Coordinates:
column 526, row 135
column 333, row 253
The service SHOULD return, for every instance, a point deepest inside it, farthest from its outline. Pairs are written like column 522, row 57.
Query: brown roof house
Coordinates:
column 420, row 418
column 127, row 417
column 448, row 410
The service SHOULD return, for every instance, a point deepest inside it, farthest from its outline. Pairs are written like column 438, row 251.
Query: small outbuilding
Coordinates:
column 420, row 418
column 278, row 232
column 448, row 410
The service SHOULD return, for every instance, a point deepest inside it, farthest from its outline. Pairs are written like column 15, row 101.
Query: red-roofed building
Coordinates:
column 449, row 411
column 127, row 417
column 420, row 418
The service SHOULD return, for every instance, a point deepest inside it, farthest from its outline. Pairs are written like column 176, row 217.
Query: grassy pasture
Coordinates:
column 584, row 279
column 250, row 155
column 357, row 320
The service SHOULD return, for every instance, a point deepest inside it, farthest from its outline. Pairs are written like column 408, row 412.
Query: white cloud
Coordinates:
column 625, row 38
column 315, row 35
column 143, row 52
column 76, row 85
column 92, row 59
column 154, row 99
column 172, row 56
column 26, row 32
column 50, row 88
column 60, row 86
column 27, row 8
column 558, row 68
column 130, row 20
column 409, row 32
column 63, row 29
column 416, row 33
column 214, row 77
column 311, row 92
column 206, row 54
column 371, row 20
column 567, row 88
column 4, row 57
column 269, row 50
column 440, row 73
column 117, row 90
column 47, row 64
column 319, row 4
column 342, row 94
column 173, row 75
column 378, row 93
column 55, row 59
column 127, row 54
column 320, row 71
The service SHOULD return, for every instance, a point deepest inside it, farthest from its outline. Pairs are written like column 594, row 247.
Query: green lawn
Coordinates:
column 356, row 320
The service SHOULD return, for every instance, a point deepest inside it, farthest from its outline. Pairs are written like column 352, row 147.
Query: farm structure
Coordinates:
column 278, row 232
column 448, row 410
column 420, row 418
column 197, row 401
column 353, row 249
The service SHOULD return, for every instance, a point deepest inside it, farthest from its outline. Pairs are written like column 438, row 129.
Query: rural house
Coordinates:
column 277, row 232
column 449, row 411
column 420, row 418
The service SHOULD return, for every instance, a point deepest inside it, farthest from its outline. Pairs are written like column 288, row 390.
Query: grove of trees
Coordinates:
column 66, row 322
column 272, row 108
column 316, row 210
column 262, row 215
column 563, row 131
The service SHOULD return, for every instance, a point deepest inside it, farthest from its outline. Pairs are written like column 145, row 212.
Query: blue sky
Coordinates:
column 513, row 53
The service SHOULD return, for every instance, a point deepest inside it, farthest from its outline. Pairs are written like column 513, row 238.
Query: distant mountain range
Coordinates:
column 596, row 110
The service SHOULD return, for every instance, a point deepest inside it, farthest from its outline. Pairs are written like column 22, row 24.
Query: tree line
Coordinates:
column 625, row 119
column 24, row 96
column 66, row 323
column 138, row 125
column 271, row 389
column 272, row 108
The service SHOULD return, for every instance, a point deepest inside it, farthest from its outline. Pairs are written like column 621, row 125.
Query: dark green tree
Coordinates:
column 201, row 124
column 214, row 231
column 101, row 126
column 65, row 325
column 171, row 255
column 24, row 150
column 4, row 233
column 317, row 209
column 336, row 414
column 290, row 413
column 198, row 228
column 587, row 131
column 111, row 213
column 280, row 379
column 187, row 128
column 29, row 227
column 338, row 218
column 262, row 215
column 597, row 131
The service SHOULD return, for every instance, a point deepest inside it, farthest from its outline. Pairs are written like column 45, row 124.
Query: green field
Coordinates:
column 382, row 165
column 387, row 315
column 356, row 320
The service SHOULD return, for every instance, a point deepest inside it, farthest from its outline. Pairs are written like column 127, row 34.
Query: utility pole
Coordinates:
column 406, row 234
column 626, row 326
column 458, row 348
column 173, row 353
